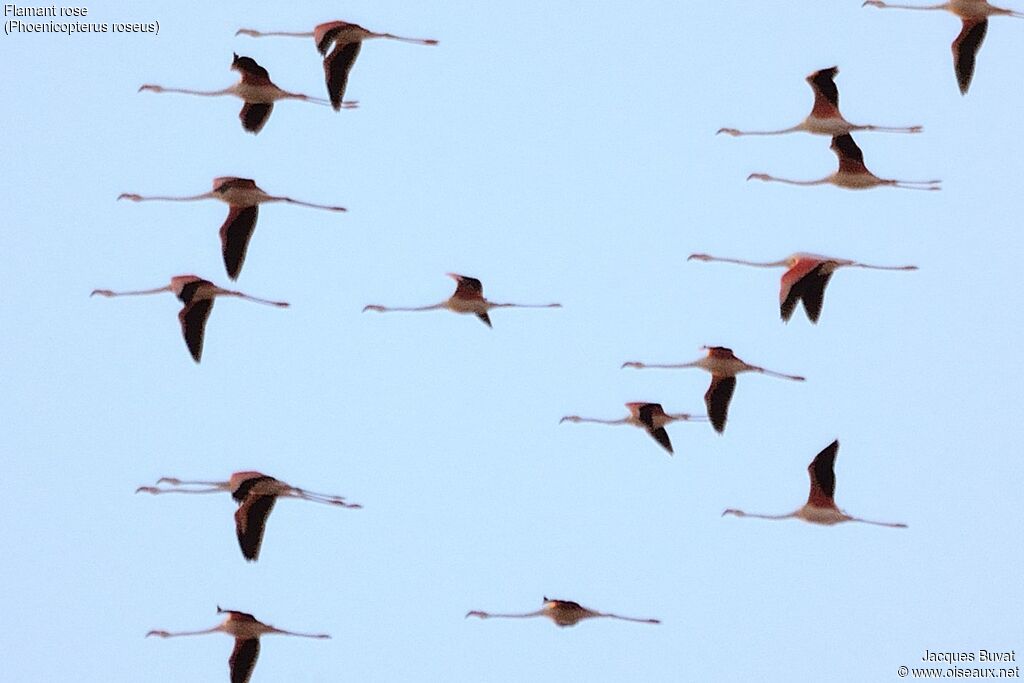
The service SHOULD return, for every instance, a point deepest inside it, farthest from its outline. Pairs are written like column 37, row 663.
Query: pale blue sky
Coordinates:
column 558, row 152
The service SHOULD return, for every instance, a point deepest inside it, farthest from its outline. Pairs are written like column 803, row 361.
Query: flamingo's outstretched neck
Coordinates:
column 664, row 366
column 768, row 178
column 758, row 264
column 173, row 481
column 169, row 634
column 260, row 34
column 140, row 198
column 138, row 292
column 737, row 133
column 883, row 5
column 488, row 615
column 741, row 513
column 201, row 93
column 387, row 309
column 594, row 420
column 155, row 490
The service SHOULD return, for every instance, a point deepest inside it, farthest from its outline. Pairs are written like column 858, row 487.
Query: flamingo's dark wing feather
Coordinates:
column 717, row 399
column 243, row 659
column 235, row 235
column 193, row 317
column 254, row 116
column 337, row 66
column 661, row 436
column 823, row 476
column 824, row 82
column 250, row 523
column 813, row 292
column 965, row 51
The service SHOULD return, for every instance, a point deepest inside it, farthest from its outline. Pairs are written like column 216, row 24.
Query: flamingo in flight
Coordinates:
column 805, row 278
column 723, row 365
column 243, row 198
column 246, row 630
column 974, row 15
column 852, row 173
column 562, row 612
column 824, row 118
column 650, row 417
column 821, row 506
column 257, row 91
column 468, row 298
column 197, row 295
column 347, row 39
column 255, row 494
